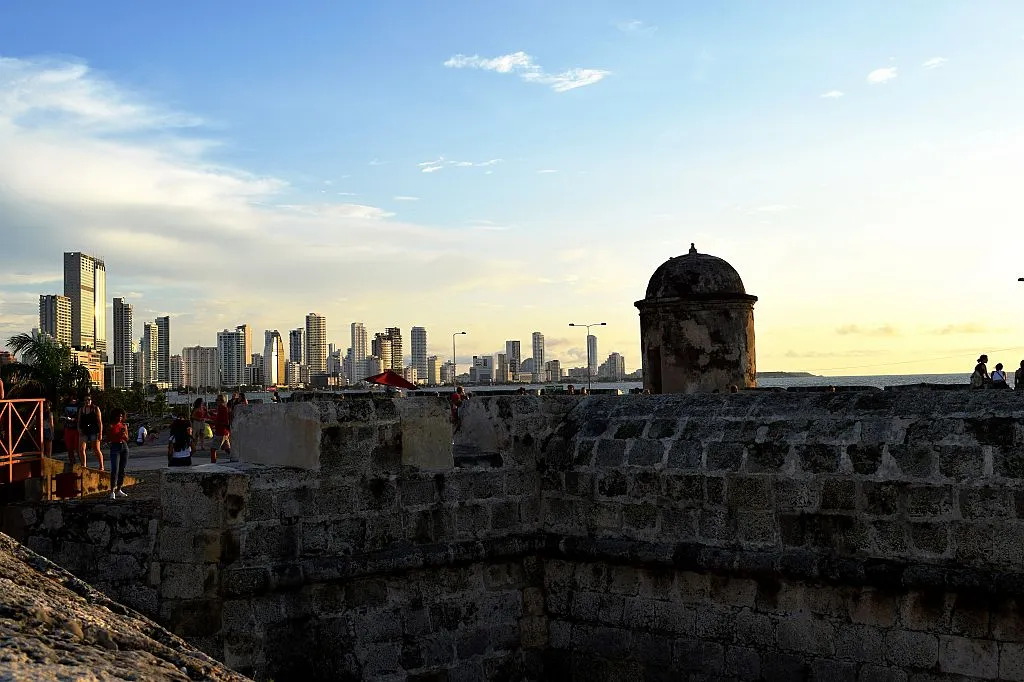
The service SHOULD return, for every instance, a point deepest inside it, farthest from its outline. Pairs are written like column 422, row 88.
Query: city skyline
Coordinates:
column 529, row 166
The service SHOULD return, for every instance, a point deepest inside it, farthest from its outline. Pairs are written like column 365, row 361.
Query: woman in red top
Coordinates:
column 199, row 417
column 118, row 454
column 221, row 429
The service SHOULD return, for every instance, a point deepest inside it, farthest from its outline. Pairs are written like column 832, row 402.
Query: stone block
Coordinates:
column 911, row 649
column 426, row 434
column 970, row 616
column 639, row 517
column 559, row 634
column 882, row 498
column 827, row 670
column 715, row 623
column 707, row 658
column 672, row 617
column 917, row 460
column 714, row 490
column 756, row 528
column 280, row 434
column 860, row 643
column 610, row 453
column 818, row 458
column 890, row 538
column 838, row 495
column 795, row 494
column 742, row 664
column 969, row 657
column 187, row 581
column 930, row 501
column 685, row 454
column 755, row 630
column 961, row 462
column 766, row 457
column 379, row 659
column 806, row 634
column 779, row 667
column 984, row 502
column 930, row 538
column 639, row 613
column 612, row 484
column 724, row 456
column 717, row 523
column 878, row 673
column 646, row 452
column 1011, row 661
column 865, row 457
column 684, row 489
column 579, row 483
column 651, row 650
column 749, row 492
column 644, row 484
column 872, row 607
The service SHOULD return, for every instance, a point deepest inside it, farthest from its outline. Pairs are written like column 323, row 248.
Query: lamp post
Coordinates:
column 454, row 364
column 588, row 326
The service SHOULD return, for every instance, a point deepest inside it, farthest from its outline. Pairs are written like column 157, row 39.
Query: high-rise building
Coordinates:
column 85, row 283
column 482, row 369
column 381, row 348
column 176, row 370
column 254, row 371
column 418, row 336
column 297, row 346
column 150, row 348
column 200, row 366
column 137, row 365
column 592, row 354
column 501, row 372
column 552, row 370
column 613, row 368
column 93, row 363
column 163, row 359
column 538, row 357
column 513, row 352
column 246, row 330
column 124, row 363
column 447, row 375
column 359, row 353
column 316, row 343
column 373, row 365
column 273, row 358
column 55, row 317
column 433, row 370
column 231, row 358
column 397, row 354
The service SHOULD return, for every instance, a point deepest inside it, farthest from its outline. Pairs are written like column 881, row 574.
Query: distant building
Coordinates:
column 85, row 284
column 200, row 366
column 316, row 343
column 527, row 368
column 482, row 369
column 501, row 369
column 538, row 357
column 93, row 362
column 55, row 317
column 291, row 373
column 138, row 365
column 592, row 354
column 397, row 349
column 273, row 358
column 254, row 371
column 381, row 348
column 613, row 368
column 360, row 350
column 176, row 367
column 124, row 365
column 418, row 336
column 297, row 346
column 433, row 370
column 553, row 371
column 373, row 365
column 231, row 358
column 149, row 346
column 411, row 375
column 447, row 374
column 514, row 355
column 163, row 354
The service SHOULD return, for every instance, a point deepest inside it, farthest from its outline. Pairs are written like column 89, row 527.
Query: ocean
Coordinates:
column 880, row 380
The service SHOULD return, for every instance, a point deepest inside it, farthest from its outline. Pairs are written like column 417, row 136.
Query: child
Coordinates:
column 140, row 437
column 118, row 454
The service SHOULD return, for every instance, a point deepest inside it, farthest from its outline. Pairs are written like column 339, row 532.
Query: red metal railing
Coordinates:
column 21, row 438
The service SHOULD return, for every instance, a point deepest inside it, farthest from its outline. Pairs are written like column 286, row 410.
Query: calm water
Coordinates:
column 880, row 381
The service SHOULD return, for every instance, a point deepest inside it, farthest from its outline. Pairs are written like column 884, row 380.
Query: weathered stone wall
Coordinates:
column 869, row 536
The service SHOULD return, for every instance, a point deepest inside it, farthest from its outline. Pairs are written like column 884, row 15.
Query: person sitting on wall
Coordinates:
column 180, row 444
column 999, row 377
column 1018, row 378
column 980, row 378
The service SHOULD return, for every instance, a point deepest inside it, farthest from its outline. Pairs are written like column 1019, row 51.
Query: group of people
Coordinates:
column 190, row 434
column 83, row 427
column 980, row 378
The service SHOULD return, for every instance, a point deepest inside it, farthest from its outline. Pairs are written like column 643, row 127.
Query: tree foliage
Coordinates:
column 46, row 369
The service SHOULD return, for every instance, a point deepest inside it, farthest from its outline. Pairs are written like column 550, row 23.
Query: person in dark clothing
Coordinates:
column 90, row 430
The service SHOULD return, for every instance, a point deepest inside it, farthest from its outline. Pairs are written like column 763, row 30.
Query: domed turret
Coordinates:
column 697, row 327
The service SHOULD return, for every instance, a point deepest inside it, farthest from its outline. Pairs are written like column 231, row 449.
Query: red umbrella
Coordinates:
column 391, row 378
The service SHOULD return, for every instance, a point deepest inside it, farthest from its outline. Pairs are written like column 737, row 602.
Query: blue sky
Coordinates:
column 528, row 164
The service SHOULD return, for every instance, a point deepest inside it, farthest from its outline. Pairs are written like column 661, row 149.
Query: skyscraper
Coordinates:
column 246, row 330
column 150, row 348
column 297, row 346
column 176, row 370
column 359, row 352
column 538, row 357
column 433, row 370
column 273, row 358
column 419, row 352
column 200, row 366
column 591, row 355
column 85, row 283
column 514, row 354
column 381, row 348
column 55, row 317
column 397, row 354
column 124, row 363
column 231, row 358
column 163, row 357
column 316, row 343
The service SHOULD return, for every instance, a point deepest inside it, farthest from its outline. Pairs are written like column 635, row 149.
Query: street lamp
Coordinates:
column 588, row 326
column 454, row 364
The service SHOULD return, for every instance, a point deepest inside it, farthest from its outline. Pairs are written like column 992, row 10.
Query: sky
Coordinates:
column 504, row 168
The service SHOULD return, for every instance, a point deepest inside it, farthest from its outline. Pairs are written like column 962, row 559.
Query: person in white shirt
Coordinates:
column 180, row 444
column 999, row 377
column 140, row 436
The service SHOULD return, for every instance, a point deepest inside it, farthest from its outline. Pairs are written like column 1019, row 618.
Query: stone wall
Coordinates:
column 868, row 536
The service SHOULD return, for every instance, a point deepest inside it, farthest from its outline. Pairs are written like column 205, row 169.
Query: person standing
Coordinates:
column 90, row 431
column 47, row 429
column 455, row 401
column 1018, row 378
column 221, row 429
column 118, row 454
column 199, row 417
column 69, row 420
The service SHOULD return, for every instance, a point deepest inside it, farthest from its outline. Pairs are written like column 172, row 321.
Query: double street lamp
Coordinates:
column 454, row 365
column 588, row 326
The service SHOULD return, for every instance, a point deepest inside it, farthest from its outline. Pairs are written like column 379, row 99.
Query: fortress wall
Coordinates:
column 868, row 536
column 789, row 536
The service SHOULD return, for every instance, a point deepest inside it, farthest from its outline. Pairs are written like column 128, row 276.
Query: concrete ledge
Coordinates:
column 285, row 435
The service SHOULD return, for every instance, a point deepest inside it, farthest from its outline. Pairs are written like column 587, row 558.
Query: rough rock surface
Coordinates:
column 55, row 627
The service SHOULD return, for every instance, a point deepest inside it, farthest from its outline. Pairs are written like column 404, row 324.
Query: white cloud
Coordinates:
column 882, row 75
column 375, row 162
column 529, row 71
column 401, row 197
column 832, row 94
column 359, row 211
column 441, row 162
column 547, row 170
column 934, row 62
column 635, row 27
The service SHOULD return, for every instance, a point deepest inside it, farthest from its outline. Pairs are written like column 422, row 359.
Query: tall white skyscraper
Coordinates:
column 297, row 346
column 419, row 352
column 359, row 352
column 124, row 363
column 538, row 357
column 85, row 283
column 316, row 343
column 163, row 359
column 231, row 358
column 200, row 366
column 591, row 355
column 273, row 358
column 514, row 354
column 176, row 369
column 381, row 347
column 433, row 370
column 55, row 317
column 150, row 348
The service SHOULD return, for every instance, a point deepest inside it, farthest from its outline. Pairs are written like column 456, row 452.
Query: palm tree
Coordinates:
column 46, row 369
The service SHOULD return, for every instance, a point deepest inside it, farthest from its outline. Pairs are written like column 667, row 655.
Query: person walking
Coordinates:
column 90, row 429
column 199, row 417
column 118, row 454
column 221, row 429
column 69, row 420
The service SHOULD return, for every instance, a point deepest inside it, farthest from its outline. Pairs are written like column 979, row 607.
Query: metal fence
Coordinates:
column 21, row 438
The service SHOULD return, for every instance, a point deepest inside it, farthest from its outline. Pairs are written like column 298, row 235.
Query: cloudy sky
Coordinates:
column 512, row 167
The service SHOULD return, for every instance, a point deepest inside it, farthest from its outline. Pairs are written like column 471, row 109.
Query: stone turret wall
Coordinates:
column 868, row 536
